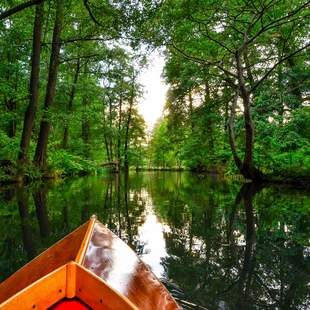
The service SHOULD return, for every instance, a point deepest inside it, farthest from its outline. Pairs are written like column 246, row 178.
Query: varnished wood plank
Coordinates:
column 41, row 294
column 109, row 258
column 84, row 246
column 59, row 254
column 112, row 260
column 97, row 294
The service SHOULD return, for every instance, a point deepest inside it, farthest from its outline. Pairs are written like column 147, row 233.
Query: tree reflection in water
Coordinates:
column 217, row 244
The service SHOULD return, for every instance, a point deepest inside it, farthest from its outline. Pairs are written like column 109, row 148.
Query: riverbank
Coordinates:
column 74, row 166
column 67, row 166
column 300, row 180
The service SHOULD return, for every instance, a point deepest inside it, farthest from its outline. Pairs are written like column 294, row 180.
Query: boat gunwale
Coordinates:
column 67, row 267
column 140, row 261
column 80, row 257
column 7, row 301
column 44, row 252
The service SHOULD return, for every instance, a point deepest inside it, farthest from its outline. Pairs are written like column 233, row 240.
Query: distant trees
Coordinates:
column 234, row 51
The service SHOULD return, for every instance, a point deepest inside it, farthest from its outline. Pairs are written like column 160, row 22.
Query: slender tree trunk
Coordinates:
column 190, row 99
column 86, row 130
column 208, row 104
column 119, row 134
column 110, row 125
column 248, row 170
column 280, row 77
column 11, row 107
column 249, row 131
column 106, row 140
column 231, row 133
column 126, row 161
column 34, row 84
column 70, row 103
column 226, row 121
column 40, row 157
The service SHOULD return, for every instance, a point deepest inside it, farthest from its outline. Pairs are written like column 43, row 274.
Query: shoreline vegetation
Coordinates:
column 97, row 170
column 238, row 89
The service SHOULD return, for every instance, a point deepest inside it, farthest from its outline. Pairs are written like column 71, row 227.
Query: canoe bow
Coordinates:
column 98, row 256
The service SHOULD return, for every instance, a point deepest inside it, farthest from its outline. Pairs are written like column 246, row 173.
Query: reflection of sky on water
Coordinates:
column 151, row 235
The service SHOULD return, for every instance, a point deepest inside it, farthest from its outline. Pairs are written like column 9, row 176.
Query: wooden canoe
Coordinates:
column 91, row 268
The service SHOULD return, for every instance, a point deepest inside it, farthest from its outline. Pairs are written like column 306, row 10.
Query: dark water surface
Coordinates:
column 216, row 244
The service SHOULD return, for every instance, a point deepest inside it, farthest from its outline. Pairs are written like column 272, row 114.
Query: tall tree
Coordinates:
column 40, row 157
column 34, row 84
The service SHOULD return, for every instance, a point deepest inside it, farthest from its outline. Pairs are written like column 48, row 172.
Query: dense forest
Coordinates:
column 238, row 99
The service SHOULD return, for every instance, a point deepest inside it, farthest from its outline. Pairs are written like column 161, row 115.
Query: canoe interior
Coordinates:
column 70, row 281
column 54, row 257
column 93, row 250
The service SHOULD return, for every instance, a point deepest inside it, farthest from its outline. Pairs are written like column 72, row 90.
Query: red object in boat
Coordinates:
column 70, row 305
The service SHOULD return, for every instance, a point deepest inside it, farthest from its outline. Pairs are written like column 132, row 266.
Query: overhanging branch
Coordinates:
column 19, row 8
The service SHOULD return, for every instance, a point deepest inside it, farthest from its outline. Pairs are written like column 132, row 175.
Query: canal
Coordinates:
column 215, row 244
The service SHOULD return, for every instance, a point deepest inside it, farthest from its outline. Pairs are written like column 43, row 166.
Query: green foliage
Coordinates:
column 8, row 146
column 65, row 163
column 94, row 118
column 96, row 71
column 205, row 43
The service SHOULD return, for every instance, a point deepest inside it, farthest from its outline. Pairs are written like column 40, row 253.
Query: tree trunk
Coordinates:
column 106, row 140
column 34, row 85
column 208, row 105
column 119, row 134
column 190, row 99
column 249, row 130
column 231, row 133
column 107, row 145
column 110, row 125
column 280, row 77
column 126, row 161
column 11, row 107
column 40, row 157
column 86, row 130
column 70, row 103
column 248, row 170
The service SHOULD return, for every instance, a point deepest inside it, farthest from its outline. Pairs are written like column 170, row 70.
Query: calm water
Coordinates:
column 216, row 244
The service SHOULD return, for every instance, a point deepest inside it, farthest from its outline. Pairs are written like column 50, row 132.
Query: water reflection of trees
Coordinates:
column 228, row 245
column 31, row 219
column 223, row 252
